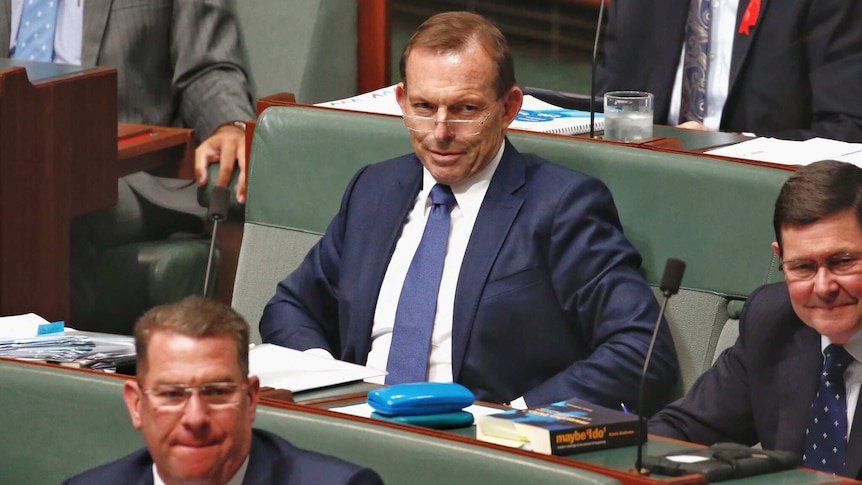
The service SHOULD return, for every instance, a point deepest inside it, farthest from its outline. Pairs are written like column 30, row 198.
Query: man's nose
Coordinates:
column 195, row 412
column 441, row 128
column 825, row 282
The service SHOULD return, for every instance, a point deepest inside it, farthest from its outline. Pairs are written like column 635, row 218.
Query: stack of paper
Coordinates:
column 788, row 152
column 284, row 368
column 27, row 325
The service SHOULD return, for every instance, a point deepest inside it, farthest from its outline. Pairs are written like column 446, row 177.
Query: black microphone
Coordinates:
column 670, row 281
column 217, row 212
column 593, row 72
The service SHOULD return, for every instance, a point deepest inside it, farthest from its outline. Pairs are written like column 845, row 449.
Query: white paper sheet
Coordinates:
column 284, row 368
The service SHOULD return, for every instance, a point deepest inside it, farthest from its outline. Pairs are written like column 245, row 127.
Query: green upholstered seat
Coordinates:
column 58, row 422
column 715, row 215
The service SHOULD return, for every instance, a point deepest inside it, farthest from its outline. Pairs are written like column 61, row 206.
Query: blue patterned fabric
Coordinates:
column 695, row 62
column 826, row 435
column 417, row 305
column 36, row 31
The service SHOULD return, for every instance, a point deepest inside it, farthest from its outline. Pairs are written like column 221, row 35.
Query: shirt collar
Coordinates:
column 237, row 479
column 469, row 193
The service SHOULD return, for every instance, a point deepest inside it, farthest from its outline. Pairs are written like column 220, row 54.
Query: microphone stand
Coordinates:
column 217, row 212
column 670, row 281
column 593, row 71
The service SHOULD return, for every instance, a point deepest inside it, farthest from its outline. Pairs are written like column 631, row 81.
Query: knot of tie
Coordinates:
column 442, row 195
column 837, row 360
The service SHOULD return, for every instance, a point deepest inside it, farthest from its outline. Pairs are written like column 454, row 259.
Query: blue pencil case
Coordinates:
column 457, row 419
column 420, row 398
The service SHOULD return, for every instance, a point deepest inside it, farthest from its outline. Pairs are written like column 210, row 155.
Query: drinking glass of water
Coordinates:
column 628, row 115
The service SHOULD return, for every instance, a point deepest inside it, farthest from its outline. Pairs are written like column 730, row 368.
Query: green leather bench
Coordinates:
column 716, row 215
column 58, row 422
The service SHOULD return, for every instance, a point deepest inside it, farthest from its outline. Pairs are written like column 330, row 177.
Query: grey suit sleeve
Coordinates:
column 210, row 78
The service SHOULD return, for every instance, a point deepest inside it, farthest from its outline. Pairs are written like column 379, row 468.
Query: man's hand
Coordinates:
column 226, row 146
column 693, row 125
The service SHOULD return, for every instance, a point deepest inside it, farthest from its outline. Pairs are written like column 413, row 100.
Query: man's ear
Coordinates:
column 253, row 395
column 512, row 101
column 776, row 249
column 400, row 96
column 132, row 396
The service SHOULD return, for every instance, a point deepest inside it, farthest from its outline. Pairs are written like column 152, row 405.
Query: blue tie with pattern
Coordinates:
column 825, row 437
column 36, row 31
column 417, row 305
column 695, row 62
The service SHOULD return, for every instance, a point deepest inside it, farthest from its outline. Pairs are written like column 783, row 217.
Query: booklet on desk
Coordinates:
column 537, row 115
column 560, row 428
column 283, row 368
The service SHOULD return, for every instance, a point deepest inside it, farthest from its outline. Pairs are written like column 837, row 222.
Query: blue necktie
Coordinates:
column 36, row 31
column 417, row 305
column 695, row 62
column 825, row 437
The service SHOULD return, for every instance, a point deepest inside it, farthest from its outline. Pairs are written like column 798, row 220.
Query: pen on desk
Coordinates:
column 625, row 409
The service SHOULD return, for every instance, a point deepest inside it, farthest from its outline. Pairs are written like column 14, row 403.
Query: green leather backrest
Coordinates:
column 715, row 215
column 403, row 457
column 57, row 423
column 306, row 47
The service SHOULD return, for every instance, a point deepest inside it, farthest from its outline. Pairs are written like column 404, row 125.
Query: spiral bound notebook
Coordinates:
column 535, row 114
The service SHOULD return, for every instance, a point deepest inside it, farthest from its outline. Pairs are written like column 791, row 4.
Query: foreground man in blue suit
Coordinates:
column 195, row 403
column 531, row 294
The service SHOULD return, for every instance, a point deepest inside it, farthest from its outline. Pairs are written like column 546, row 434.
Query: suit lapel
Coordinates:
column 742, row 43
column 95, row 20
column 394, row 202
column 498, row 211
column 854, row 445
column 798, row 369
column 5, row 26
column 668, row 36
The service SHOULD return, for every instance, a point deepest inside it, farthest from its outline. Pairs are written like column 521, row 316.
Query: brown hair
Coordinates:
column 194, row 316
column 815, row 191
column 453, row 32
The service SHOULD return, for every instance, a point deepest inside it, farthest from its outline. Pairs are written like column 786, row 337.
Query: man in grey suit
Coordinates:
column 178, row 64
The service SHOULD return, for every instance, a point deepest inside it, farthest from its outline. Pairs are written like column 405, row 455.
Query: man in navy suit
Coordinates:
column 540, row 299
column 775, row 68
column 195, row 403
column 762, row 388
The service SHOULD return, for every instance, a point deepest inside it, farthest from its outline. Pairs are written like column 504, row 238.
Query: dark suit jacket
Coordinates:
column 272, row 461
column 549, row 305
column 761, row 388
column 790, row 77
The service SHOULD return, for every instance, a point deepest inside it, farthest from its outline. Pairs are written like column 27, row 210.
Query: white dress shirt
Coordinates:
column 68, row 35
column 235, row 480
column 469, row 196
column 852, row 376
column 721, row 34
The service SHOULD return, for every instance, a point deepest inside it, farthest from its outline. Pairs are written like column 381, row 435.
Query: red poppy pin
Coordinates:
column 749, row 18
